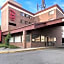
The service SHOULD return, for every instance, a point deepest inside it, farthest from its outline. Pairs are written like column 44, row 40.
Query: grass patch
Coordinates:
column 10, row 46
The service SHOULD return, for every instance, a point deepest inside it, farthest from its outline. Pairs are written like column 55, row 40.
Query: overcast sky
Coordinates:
column 31, row 4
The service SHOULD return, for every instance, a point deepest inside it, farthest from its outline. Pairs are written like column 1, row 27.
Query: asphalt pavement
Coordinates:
column 46, row 56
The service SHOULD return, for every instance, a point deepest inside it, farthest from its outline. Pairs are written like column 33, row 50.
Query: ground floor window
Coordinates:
column 51, row 41
column 11, row 39
column 17, row 38
column 35, row 38
column 38, row 38
column 28, row 38
column 43, row 39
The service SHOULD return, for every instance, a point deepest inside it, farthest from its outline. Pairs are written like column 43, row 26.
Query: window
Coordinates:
column 13, row 24
column 27, row 38
column 26, row 22
column 29, row 22
column 11, row 39
column 42, row 39
column 35, row 38
column 22, row 14
column 62, row 28
column 30, row 17
column 22, row 21
column 51, row 12
column 25, row 15
column 17, row 38
column 54, row 39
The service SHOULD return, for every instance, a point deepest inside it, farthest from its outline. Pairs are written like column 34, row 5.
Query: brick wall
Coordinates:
column 4, row 22
column 50, row 32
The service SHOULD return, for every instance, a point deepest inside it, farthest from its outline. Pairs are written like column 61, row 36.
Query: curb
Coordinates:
column 23, row 50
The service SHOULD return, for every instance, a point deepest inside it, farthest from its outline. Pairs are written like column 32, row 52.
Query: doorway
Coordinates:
column 50, row 41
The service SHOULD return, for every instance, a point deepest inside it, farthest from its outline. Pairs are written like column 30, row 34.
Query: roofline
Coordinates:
column 56, row 5
column 8, row 2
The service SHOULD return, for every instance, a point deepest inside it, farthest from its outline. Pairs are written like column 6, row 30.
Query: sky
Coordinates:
column 30, row 5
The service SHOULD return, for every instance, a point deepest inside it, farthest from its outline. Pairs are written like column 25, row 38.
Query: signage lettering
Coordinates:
column 12, row 15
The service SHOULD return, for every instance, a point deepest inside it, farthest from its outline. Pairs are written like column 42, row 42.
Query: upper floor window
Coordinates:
column 22, row 14
column 25, row 15
column 30, row 17
column 21, row 21
column 29, row 22
column 51, row 12
column 26, row 22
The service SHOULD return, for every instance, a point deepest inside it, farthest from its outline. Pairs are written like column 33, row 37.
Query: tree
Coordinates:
column 7, row 38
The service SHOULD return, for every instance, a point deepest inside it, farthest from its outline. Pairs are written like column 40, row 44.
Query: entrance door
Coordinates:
column 62, row 41
column 48, row 41
column 51, row 41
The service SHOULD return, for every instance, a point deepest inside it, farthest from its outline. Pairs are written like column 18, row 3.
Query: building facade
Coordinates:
column 44, row 28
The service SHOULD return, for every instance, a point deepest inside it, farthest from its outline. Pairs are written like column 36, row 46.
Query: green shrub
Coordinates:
column 2, row 45
column 7, row 38
column 10, row 46
column 13, row 47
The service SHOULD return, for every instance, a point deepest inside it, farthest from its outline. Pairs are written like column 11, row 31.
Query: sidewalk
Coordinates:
column 2, row 50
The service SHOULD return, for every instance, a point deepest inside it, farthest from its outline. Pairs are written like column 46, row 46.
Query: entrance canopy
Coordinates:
column 36, row 26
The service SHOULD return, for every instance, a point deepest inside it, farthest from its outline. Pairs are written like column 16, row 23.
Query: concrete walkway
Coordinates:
column 3, row 50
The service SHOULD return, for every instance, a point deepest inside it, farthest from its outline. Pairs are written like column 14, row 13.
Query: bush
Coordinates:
column 7, row 39
column 13, row 47
column 2, row 45
column 10, row 46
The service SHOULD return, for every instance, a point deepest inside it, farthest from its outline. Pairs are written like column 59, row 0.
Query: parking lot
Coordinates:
column 46, row 56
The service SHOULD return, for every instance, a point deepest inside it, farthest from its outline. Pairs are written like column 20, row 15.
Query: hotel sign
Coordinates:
column 12, row 14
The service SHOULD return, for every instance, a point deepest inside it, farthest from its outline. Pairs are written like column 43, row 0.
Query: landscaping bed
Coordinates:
column 10, row 46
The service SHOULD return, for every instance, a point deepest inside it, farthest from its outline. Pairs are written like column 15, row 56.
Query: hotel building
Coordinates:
column 43, row 28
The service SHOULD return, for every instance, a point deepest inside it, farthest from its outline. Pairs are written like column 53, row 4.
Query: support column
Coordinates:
column 31, row 39
column 24, row 39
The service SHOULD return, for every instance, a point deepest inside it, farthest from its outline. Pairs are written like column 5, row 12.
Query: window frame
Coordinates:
column 20, row 39
column 51, row 12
